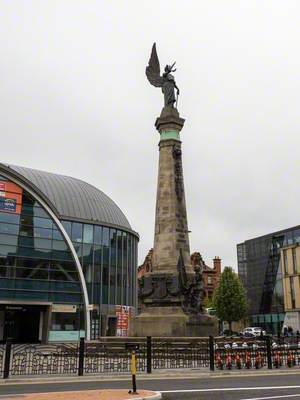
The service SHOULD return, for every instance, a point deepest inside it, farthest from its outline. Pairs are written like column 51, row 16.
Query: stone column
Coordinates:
column 164, row 290
column 171, row 239
column 167, row 285
column 169, row 293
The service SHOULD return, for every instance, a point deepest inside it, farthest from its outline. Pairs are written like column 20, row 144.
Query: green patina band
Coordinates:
column 165, row 135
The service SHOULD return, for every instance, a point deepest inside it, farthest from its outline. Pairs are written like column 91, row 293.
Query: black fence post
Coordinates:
column 7, row 359
column 149, row 354
column 211, row 354
column 269, row 351
column 81, row 357
column 278, row 338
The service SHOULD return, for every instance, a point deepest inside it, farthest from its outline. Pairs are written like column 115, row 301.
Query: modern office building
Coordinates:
column 68, row 258
column 259, row 267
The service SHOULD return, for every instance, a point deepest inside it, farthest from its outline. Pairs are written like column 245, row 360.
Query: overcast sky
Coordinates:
column 74, row 100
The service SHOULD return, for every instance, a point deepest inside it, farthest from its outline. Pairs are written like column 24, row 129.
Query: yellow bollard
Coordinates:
column 133, row 373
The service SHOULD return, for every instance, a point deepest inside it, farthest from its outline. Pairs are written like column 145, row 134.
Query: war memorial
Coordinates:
column 172, row 331
column 170, row 294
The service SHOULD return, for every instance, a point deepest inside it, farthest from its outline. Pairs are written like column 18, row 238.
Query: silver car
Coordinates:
column 253, row 331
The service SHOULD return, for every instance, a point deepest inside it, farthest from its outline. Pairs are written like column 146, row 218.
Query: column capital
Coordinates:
column 169, row 124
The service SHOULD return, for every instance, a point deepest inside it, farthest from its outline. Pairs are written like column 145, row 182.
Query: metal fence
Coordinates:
column 2, row 355
column 113, row 355
column 44, row 359
column 170, row 353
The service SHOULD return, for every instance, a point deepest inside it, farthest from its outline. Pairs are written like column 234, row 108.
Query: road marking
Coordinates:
column 274, row 397
column 235, row 389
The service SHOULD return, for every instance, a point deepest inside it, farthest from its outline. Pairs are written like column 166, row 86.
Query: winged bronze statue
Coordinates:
column 166, row 81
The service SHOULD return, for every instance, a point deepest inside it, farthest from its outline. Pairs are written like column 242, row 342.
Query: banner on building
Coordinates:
column 10, row 197
column 64, row 308
column 123, row 315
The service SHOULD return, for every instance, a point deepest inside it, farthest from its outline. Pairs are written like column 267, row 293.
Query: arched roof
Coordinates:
column 72, row 198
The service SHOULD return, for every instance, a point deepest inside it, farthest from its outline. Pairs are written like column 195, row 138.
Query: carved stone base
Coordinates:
column 202, row 325
column 172, row 322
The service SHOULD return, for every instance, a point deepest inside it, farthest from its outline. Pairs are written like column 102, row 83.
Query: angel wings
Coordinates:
column 153, row 69
column 165, row 81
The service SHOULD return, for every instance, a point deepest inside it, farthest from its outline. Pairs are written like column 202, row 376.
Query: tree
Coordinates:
column 230, row 300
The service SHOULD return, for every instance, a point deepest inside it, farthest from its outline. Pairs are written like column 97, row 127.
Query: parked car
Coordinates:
column 227, row 332
column 253, row 332
column 247, row 334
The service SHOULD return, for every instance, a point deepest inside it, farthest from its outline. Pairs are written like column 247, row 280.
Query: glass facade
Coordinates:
column 260, row 272
column 37, row 266
column 107, row 256
column 35, row 261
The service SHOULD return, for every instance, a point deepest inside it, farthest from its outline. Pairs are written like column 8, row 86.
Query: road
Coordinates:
column 279, row 386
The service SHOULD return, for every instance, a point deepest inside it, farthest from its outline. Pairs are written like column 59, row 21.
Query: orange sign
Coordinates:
column 10, row 197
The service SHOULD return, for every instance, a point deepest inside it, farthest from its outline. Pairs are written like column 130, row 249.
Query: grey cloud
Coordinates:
column 74, row 100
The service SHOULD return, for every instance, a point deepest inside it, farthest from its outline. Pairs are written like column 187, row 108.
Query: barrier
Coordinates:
column 113, row 354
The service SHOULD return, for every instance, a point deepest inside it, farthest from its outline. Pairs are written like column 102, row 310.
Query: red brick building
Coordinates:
column 211, row 275
column 146, row 266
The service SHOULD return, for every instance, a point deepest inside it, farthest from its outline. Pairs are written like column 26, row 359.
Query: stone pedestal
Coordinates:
column 160, row 321
column 170, row 293
column 172, row 322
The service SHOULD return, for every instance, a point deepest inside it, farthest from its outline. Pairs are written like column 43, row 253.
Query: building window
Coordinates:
column 105, row 236
column 297, row 236
column 289, row 238
column 285, row 262
column 209, row 280
column 68, row 227
column 76, row 232
column 97, row 234
column 294, row 260
column 88, row 233
column 292, row 292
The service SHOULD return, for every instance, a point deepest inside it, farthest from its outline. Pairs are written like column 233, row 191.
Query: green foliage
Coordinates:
column 230, row 300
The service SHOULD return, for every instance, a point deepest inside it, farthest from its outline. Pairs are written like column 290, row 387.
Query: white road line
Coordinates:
column 275, row 397
column 235, row 389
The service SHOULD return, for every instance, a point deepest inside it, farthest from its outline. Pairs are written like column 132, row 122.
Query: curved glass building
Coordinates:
column 68, row 258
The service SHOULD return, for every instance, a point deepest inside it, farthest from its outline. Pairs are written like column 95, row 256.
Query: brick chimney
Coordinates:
column 217, row 265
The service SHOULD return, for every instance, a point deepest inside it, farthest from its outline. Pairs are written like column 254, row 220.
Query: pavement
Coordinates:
column 109, row 394
column 173, row 385
column 156, row 374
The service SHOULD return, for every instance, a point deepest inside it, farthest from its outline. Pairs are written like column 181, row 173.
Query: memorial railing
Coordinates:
column 39, row 359
column 171, row 353
column 113, row 355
